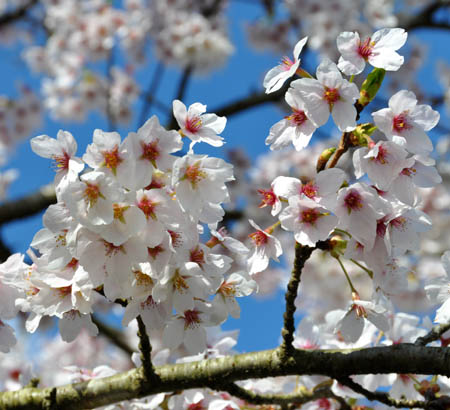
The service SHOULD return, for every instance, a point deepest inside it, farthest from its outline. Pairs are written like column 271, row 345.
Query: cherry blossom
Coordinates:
column 330, row 93
column 379, row 50
column 198, row 126
column 405, row 122
column 276, row 76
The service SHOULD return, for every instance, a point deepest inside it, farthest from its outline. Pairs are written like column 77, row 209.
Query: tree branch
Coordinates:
column 146, row 350
column 425, row 17
column 382, row 397
column 338, row 364
column 302, row 254
column 113, row 335
column 17, row 14
column 434, row 334
column 297, row 397
column 27, row 205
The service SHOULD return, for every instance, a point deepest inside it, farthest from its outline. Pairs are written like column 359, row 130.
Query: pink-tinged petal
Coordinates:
column 67, row 141
column 353, row 67
column 344, row 115
column 299, row 46
column 328, row 73
column 195, row 339
column 351, row 326
column 402, row 101
column 45, row 146
column 425, row 116
column 173, row 333
column 347, row 43
column 387, row 59
column 179, row 112
column 383, row 120
column 392, row 38
column 286, row 186
column 275, row 79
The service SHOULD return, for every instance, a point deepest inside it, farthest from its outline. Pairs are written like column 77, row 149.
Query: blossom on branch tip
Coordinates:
column 199, row 126
column 276, row 76
column 379, row 50
column 405, row 122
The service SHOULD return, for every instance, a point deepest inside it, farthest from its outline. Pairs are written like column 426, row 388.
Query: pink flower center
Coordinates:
column 408, row 171
column 191, row 318
column 111, row 249
column 149, row 302
column 64, row 291
column 400, row 123
column 399, row 222
column 197, row 256
column 268, row 198
column 176, row 238
column 286, row 63
column 196, row 406
column 353, row 201
column 331, row 95
column 193, row 124
column 381, row 157
column 298, row 117
column 92, row 193
column 119, row 211
column 324, row 404
column 381, row 228
column 150, row 152
column 112, row 159
column 72, row 264
column 62, row 162
column 259, row 237
column 194, row 174
column 309, row 190
column 147, row 206
column 309, row 216
column 227, row 289
column 154, row 252
column 365, row 49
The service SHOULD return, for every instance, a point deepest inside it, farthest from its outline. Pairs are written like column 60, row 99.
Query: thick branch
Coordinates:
column 27, row 205
column 16, row 14
column 401, row 358
column 425, row 17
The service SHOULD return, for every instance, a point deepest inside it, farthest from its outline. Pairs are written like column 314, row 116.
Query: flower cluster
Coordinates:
column 130, row 228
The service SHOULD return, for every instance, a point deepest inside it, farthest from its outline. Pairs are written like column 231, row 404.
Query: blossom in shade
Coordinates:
column 276, row 76
column 378, row 50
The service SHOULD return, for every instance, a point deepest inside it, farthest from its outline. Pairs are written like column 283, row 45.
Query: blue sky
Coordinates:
column 261, row 319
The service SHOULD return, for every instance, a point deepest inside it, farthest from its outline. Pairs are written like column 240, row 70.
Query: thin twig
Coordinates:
column 434, row 334
column 146, row 350
column 149, row 95
column 382, row 397
column 296, row 398
column 113, row 335
column 302, row 254
column 182, row 87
